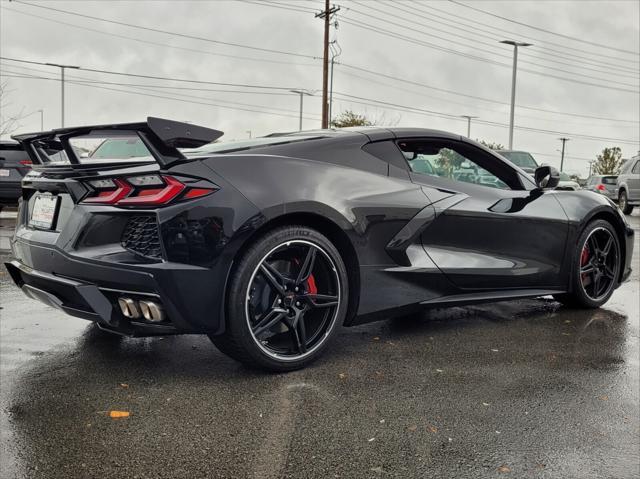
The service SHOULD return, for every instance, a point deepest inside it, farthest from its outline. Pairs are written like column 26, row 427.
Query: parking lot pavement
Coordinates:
column 517, row 389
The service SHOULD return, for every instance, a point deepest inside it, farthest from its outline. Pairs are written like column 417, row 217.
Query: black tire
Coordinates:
column 241, row 337
column 623, row 202
column 594, row 274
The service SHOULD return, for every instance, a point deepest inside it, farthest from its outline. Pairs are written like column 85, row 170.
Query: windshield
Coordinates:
column 520, row 158
column 564, row 177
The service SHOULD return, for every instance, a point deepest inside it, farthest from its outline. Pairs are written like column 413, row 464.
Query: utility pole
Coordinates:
column 302, row 93
column 335, row 53
column 62, row 68
column 513, row 83
column 469, row 118
column 563, row 140
column 591, row 163
column 326, row 16
column 249, row 133
column 41, row 120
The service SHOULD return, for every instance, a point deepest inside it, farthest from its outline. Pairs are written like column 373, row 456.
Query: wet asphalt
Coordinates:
column 517, row 389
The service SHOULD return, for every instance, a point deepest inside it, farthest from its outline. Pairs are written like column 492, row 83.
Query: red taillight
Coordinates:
column 150, row 190
column 171, row 190
column 26, row 162
column 112, row 196
column 601, row 187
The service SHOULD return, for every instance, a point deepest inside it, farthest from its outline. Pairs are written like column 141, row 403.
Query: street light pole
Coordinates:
column 302, row 93
column 41, row 120
column 62, row 68
column 563, row 140
column 513, row 83
column 469, row 118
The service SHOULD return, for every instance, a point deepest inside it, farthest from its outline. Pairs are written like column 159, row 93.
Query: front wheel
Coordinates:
column 623, row 202
column 287, row 296
column 595, row 267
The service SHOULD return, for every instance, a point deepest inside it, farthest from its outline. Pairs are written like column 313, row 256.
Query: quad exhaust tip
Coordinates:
column 133, row 309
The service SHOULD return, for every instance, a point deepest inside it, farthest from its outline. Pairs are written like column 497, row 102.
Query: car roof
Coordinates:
column 375, row 133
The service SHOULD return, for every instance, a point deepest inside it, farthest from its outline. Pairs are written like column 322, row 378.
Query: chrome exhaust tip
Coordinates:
column 151, row 311
column 128, row 308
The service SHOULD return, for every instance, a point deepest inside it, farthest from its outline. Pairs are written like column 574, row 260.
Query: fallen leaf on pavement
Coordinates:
column 604, row 398
column 504, row 468
column 412, row 428
column 124, row 385
column 376, row 338
column 118, row 414
column 432, row 429
column 342, row 376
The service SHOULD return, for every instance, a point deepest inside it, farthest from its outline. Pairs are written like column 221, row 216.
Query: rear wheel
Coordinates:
column 623, row 202
column 287, row 296
column 595, row 267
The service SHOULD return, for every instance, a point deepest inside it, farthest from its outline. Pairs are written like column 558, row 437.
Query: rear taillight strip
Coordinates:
column 124, row 193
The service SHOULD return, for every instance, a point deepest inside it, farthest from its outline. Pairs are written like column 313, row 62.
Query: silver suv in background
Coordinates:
column 628, row 185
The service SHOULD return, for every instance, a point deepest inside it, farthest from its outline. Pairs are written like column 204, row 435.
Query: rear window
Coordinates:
column 609, row 180
column 95, row 148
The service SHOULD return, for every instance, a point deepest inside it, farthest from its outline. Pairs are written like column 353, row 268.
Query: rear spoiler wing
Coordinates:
column 161, row 137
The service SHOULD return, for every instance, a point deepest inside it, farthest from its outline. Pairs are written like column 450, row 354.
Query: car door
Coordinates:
column 496, row 230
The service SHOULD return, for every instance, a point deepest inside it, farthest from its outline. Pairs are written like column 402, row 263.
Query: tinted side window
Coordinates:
column 636, row 167
column 457, row 162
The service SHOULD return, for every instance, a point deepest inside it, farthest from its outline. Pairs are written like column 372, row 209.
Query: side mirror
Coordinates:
column 547, row 177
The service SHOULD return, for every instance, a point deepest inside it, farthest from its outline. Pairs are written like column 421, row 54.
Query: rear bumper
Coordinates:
column 89, row 289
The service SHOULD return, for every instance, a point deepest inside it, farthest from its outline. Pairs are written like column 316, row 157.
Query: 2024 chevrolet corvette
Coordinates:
column 270, row 245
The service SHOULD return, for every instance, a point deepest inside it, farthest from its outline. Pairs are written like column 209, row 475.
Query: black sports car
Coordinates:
column 268, row 246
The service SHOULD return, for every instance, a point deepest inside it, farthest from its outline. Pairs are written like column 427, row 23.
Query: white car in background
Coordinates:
column 567, row 184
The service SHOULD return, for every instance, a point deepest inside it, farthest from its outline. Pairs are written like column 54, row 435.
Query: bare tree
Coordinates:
column 10, row 123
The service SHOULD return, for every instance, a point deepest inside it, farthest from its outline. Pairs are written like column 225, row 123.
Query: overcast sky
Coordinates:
column 447, row 54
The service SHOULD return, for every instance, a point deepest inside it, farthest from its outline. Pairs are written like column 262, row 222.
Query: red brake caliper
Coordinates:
column 311, row 282
column 584, row 259
column 311, row 285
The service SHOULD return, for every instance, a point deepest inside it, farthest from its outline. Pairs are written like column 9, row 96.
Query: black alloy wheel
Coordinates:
column 293, row 298
column 286, row 298
column 599, row 261
column 596, row 267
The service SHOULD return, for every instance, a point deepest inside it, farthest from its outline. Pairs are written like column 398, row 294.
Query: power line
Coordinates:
column 165, row 32
column 410, row 109
column 562, row 35
column 475, row 22
column 494, row 38
column 431, row 87
column 149, row 42
column 379, row 30
column 154, row 77
column 251, row 110
column 167, row 87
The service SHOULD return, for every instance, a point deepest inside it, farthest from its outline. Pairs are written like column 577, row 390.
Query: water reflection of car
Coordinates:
column 520, row 158
column 603, row 184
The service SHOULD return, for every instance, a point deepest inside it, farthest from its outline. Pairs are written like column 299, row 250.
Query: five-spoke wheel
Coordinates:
column 596, row 267
column 293, row 298
column 286, row 297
